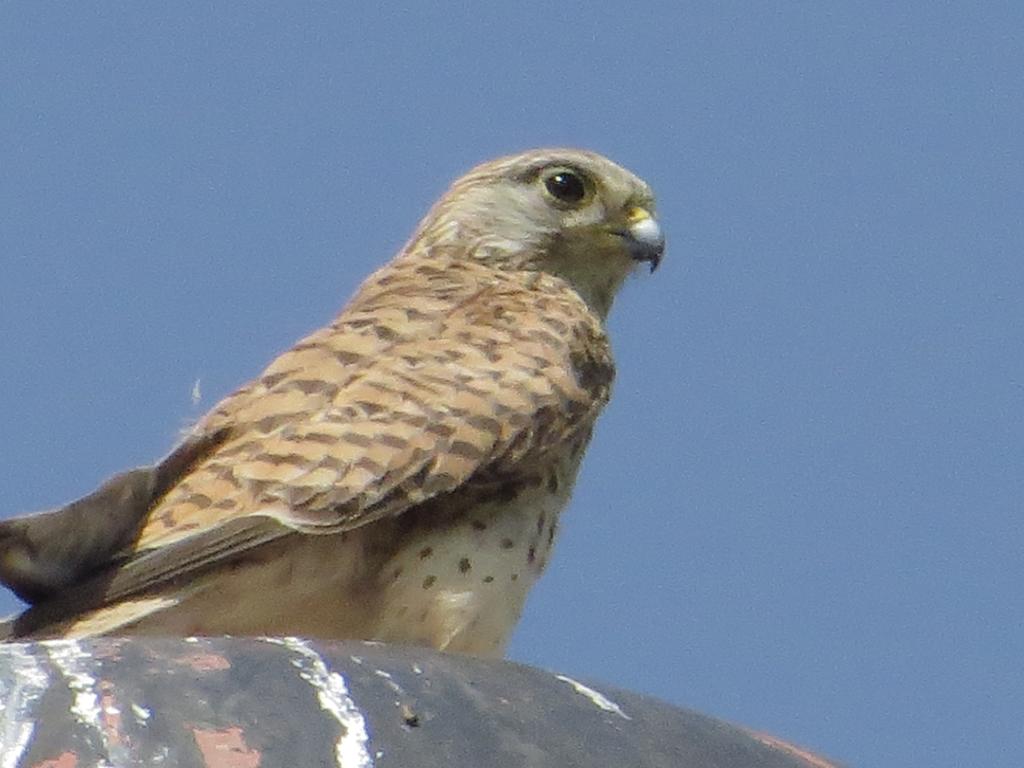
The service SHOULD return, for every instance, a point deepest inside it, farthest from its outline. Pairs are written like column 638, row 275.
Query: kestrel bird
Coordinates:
column 397, row 475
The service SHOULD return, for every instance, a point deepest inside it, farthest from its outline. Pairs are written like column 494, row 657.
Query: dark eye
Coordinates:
column 566, row 186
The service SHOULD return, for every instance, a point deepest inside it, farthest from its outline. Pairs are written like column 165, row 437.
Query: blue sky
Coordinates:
column 802, row 510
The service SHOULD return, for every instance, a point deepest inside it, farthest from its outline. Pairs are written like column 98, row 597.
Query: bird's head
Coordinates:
column 571, row 213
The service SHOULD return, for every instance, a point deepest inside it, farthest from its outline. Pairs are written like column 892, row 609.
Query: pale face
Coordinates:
column 570, row 213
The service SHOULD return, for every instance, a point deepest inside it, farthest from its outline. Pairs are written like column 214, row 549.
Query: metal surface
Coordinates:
column 237, row 703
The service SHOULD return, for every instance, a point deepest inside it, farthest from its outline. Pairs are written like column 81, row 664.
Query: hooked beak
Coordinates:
column 643, row 237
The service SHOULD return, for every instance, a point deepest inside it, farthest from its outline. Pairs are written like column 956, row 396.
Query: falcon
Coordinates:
column 397, row 475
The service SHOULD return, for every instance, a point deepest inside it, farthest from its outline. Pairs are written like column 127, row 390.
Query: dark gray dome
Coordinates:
column 297, row 703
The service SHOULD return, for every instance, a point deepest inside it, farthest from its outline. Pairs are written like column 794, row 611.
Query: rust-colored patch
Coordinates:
column 111, row 649
column 205, row 662
column 111, row 715
column 65, row 760
column 812, row 760
column 225, row 748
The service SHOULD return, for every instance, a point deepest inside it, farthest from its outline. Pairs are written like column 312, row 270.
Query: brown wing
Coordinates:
column 388, row 407
column 426, row 402
column 44, row 553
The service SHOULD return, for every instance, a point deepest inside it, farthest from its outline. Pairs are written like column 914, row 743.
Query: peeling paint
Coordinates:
column 63, row 760
column 205, row 662
column 352, row 747
column 389, row 680
column 76, row 665
column 19, row 693
column 65, row 704
column 599, row 699
column 225, row 748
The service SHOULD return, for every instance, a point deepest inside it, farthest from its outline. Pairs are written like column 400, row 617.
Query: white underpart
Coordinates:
column 351, row 750
column 18, row 696
column 459, row 609
column 599, row 699
column 436, row 602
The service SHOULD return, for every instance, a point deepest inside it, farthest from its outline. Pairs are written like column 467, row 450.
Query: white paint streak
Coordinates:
column 389, row 681
column 352, row 748
column 18, row 696
column 599, row 699
column 75, row 664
